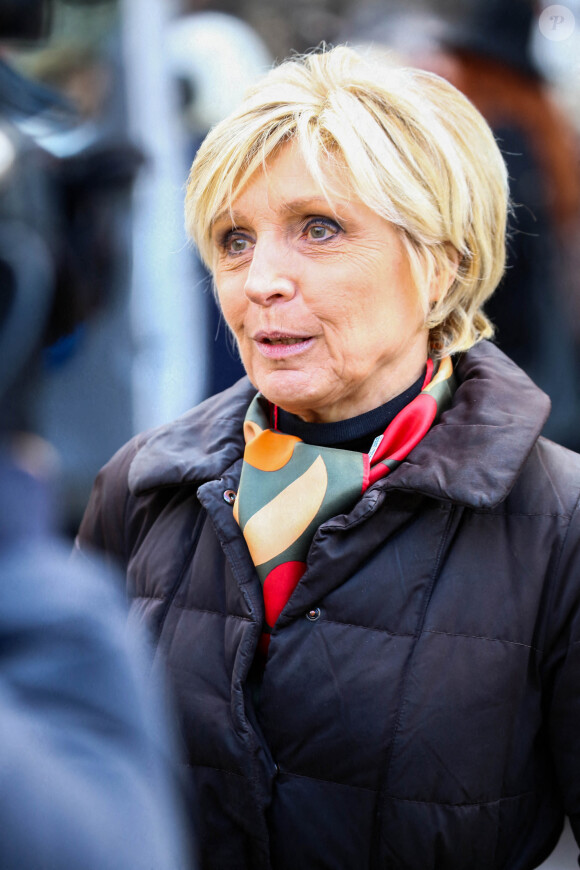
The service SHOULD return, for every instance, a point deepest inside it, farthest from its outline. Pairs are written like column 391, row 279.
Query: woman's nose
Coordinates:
column 270, row 277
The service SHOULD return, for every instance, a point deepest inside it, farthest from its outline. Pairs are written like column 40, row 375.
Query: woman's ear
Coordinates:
column 444, row 274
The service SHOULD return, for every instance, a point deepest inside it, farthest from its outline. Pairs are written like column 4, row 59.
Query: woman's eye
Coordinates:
column 235, row 244
column 320, row 230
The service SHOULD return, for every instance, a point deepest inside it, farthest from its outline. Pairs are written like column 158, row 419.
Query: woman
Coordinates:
column 363, row 577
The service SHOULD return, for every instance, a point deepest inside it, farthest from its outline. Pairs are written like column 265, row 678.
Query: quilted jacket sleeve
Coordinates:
column 103, row 527
column 562, row 672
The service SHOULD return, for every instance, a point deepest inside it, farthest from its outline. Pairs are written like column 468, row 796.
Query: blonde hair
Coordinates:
column 414, row 150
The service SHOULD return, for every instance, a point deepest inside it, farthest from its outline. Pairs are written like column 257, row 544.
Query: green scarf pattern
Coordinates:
column 289, row 488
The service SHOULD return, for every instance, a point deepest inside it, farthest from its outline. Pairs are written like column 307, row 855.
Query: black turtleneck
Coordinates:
column 356, row 433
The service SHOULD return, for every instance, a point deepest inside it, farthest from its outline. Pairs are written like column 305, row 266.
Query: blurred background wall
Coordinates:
column 146, row 79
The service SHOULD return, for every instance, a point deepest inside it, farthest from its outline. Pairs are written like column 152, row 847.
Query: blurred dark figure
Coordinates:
column 86, row 781
column 78, row 188
column 485, row 52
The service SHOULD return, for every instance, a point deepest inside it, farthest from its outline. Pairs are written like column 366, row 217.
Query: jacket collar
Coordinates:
column 476, row 452
column 197, row 447
column 472, row 456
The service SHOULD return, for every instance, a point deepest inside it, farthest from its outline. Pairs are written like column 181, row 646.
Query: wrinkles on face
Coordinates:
column 319, row 297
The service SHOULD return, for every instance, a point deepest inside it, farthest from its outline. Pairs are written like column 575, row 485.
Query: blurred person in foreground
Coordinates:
column 89, row 777
column 87, row 774
column 361, row 561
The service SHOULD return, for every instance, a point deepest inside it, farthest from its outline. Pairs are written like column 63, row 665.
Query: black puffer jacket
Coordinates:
column 421, row 704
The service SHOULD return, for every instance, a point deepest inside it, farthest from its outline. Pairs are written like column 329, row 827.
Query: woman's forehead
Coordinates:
column 290, row 184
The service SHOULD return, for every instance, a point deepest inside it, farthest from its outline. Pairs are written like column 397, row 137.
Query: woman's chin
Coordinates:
column 294, row 391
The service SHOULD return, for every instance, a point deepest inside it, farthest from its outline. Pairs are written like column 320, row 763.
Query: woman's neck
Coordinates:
column 355, row 433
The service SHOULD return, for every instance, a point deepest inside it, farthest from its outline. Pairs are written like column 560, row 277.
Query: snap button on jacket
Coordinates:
column 426, row 713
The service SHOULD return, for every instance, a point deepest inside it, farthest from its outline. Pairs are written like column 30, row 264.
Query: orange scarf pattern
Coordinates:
column 289, row 488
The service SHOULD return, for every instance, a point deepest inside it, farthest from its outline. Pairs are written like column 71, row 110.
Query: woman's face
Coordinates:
column 319, row 297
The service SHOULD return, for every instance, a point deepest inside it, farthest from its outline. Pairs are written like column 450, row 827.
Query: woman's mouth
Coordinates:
column 274, row 345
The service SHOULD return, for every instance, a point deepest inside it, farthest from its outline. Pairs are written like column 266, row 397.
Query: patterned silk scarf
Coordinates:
column 289, row 488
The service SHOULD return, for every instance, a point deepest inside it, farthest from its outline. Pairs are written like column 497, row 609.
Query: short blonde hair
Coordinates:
column 414, row 150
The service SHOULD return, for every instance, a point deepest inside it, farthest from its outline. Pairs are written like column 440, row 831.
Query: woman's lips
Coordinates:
column 280, row 345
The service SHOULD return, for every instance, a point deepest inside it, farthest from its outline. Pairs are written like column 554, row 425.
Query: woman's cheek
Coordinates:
column 231, row 304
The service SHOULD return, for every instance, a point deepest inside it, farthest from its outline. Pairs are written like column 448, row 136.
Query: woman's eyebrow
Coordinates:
column 293, row 206
column 226, row 215
column 299, row 204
